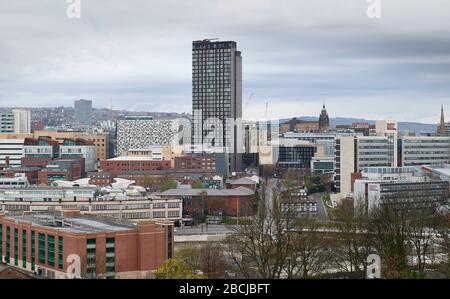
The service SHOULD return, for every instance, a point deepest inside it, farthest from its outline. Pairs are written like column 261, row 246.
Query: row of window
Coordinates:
column 46, row 254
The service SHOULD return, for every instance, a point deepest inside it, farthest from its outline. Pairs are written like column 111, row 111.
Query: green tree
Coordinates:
column 168, row 183
column 190, row 256
column 197, row 185
column 175, row 269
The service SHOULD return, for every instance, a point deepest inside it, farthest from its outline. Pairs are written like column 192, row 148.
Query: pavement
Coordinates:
column 321, row 210
column 212, row 229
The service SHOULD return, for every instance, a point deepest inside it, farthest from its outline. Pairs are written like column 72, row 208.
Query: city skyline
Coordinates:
column 317, row 52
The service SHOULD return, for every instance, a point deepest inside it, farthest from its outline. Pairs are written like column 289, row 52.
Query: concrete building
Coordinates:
column 141, row 132
column 22, row 121
column 414, row 195
column 217, row 97
column 11, row 152
column 124, row 204
column 153, row 152
column 38, row 152
column 62, row 169
column 424, row 150
column 17, row 181
column 83, row 112
column 256, row 134
column 6, row 122
column 326, row 140
column 364, row 128
column 322, row 165
column 389, row 129
column 17, row 121
column 100, row 140
column 296, row 204
column 441, row 172
column 297, row 155
column 353, row 153
column 80, row 149
column 43, row 244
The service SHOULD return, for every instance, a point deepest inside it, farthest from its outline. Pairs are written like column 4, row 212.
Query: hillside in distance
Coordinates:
column 402, row 126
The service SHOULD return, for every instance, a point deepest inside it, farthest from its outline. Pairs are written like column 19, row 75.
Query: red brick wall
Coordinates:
column 114, row 167
column 195, row 162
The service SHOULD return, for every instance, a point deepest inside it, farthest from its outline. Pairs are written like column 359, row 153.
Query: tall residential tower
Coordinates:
column 217, row 97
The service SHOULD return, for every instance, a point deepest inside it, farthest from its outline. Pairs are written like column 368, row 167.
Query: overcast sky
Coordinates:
column 297, row 54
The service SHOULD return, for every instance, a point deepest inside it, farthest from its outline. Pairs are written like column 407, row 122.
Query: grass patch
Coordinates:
column 328, row 206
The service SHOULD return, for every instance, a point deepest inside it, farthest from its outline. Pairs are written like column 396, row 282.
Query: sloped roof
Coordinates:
column 241, row 181
column 241, row 191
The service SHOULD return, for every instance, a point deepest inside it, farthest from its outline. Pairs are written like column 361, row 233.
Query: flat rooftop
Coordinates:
column 133, row 158
column 77, row 224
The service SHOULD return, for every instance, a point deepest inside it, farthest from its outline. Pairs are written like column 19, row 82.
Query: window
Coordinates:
column 16, row 247
column 41, row 248
column 91, row 257
column 33, row 248
column 24, row 248
column 1, row 240
column 51, row 250
column 60, row 252
column 110, row 258
column 8, row 244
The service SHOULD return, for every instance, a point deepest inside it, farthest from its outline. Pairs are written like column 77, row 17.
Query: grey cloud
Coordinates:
column 297, row 53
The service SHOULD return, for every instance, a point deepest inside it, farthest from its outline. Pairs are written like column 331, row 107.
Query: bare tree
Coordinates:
column 260, row 248
column 352, row 243
column 443, row 246
column 277, row 243
column 212, row 260
column 388, row 227
column 310, row 254
column 422, row 236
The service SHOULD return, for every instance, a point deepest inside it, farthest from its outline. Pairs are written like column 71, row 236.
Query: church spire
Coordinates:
column 442, row 128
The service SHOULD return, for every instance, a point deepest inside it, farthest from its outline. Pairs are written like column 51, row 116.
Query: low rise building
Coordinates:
column 45, row 243
column 296, row 204
column 126, row 164
column 424, row 150
column 16, row 181
column 130, row 204
column 402, row 189
column 228, row 202
column 11, row 152
column 196, row 161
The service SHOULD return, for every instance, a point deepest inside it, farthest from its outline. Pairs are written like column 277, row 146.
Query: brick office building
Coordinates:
column 42, row 244
column 129, row 164
column 203, row 162
column 229, row 202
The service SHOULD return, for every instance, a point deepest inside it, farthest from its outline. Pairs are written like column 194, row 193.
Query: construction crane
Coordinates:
column 248, row 101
